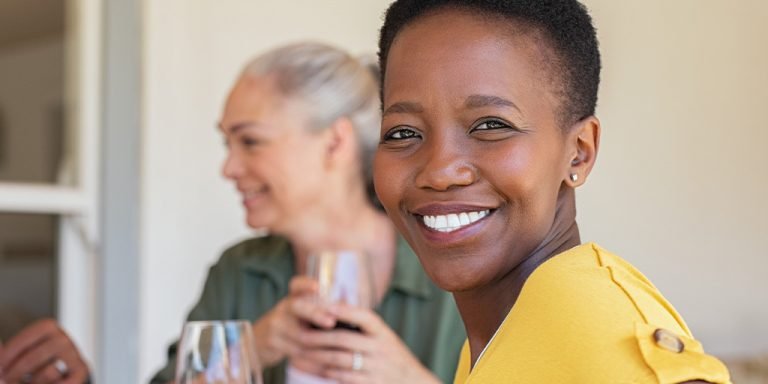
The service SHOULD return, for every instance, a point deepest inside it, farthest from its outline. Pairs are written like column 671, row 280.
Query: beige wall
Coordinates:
column 677, row 189
column 681, row 180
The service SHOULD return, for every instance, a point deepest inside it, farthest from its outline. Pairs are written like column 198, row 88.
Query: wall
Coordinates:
column 680, row 183
column 677, row 190
column 193, row 52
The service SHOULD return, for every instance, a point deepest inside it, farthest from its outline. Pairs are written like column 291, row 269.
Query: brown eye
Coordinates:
column 491, row 124
column 250, row 142
column 400, row 134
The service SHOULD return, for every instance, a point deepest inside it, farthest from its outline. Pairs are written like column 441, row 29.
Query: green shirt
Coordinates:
column 252, row 276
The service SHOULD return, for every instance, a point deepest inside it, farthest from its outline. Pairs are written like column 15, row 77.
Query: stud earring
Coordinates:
column 574, row 177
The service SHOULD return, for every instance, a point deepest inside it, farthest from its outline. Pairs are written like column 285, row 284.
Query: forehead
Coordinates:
column 253, row 99
column 453, row 46
column 251, row 94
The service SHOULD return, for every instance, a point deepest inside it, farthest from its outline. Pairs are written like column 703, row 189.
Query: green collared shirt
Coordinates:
column 252, row 276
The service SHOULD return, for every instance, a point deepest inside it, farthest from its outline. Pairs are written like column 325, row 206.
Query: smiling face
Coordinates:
column 273, row 158
column 472, row 155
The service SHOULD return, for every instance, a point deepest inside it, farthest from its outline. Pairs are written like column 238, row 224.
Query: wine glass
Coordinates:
column 217, row 352
column 343, row 277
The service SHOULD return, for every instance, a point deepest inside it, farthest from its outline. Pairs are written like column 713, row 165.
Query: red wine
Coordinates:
column 340, row 325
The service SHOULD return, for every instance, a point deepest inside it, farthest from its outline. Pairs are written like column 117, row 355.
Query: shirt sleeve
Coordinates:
column 677, row 358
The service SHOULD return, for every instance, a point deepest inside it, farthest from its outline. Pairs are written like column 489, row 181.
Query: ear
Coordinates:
column 582, row 142
column 341, row 142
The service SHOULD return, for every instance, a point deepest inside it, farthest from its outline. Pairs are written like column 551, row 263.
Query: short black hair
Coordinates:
column 565, row 25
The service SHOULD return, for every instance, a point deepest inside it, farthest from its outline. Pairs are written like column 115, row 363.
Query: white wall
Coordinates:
column 193, row 52
column 678, row 188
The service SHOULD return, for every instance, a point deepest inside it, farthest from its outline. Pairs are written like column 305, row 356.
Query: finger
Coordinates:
column 305, row 365
column 27, row 338
column 302, row 285
column 309, row 310
column 339, row 340
column 368, row 321
column 330, row 358
column 78, row 377
column 36, row 358
column 76, row 367
column 286, row 343
column 49, row 374
column 343, row 376
column 278, row 335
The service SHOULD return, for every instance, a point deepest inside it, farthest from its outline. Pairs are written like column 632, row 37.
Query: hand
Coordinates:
column 33, row 354
column 278, row 333
column 383, row 357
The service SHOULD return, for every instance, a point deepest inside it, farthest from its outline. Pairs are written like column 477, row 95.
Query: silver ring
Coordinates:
column 357, row 361
column 61, row 366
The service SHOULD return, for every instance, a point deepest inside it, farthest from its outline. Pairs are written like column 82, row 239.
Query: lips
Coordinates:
column 450, row 218
column 252, row 195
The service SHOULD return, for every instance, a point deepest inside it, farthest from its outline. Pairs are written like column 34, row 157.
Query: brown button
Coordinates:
column 668, row 340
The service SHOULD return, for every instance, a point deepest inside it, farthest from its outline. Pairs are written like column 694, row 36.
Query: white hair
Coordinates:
column 331, row 84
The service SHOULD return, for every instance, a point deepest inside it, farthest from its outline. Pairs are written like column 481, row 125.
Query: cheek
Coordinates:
column 388, row 179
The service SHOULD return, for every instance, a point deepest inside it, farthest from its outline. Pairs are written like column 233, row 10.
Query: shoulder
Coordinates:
column 594, row 308
column 255, row 251
column 588, row 281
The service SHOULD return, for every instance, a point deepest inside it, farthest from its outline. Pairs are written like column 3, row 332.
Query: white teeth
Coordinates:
column 453, row 221
column 464, row 218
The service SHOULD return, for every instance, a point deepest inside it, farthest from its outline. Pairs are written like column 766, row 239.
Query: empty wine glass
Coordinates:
column 217, row 352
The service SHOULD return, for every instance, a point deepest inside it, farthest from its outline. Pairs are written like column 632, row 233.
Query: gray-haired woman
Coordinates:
column 301, row 125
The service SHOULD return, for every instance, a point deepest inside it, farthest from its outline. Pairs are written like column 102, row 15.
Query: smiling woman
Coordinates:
column 488, row 129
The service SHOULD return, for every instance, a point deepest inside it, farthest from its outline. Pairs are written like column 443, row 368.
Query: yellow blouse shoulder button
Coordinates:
column 668, row 340
column 676, row 357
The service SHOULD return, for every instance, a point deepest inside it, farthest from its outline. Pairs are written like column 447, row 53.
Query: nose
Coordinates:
column 232, row 168
column 446, row 165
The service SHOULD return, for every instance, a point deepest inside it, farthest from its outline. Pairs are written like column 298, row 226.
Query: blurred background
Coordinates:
column 112, row 206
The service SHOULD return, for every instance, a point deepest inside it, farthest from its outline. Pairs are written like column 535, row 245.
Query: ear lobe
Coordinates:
column 584, row 142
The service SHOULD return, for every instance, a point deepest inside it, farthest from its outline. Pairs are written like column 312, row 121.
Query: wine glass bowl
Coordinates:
column 217, row 352
column 343, row 277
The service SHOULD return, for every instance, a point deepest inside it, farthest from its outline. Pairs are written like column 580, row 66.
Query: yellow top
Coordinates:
column 587, row 316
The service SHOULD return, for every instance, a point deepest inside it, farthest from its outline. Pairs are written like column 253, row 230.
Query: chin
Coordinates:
column 453, row 275
column 258, row 223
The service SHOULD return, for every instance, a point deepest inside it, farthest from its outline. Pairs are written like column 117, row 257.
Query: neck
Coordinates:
column 484, row 309
column 356, row 226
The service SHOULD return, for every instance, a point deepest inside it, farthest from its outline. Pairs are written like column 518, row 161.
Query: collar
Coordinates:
column 271, row 256
column 276, row 260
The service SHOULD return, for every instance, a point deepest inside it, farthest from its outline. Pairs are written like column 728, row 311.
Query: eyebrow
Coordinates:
column 404, row 107
column 233, row 128
column 479, row 101
column 472, row 102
